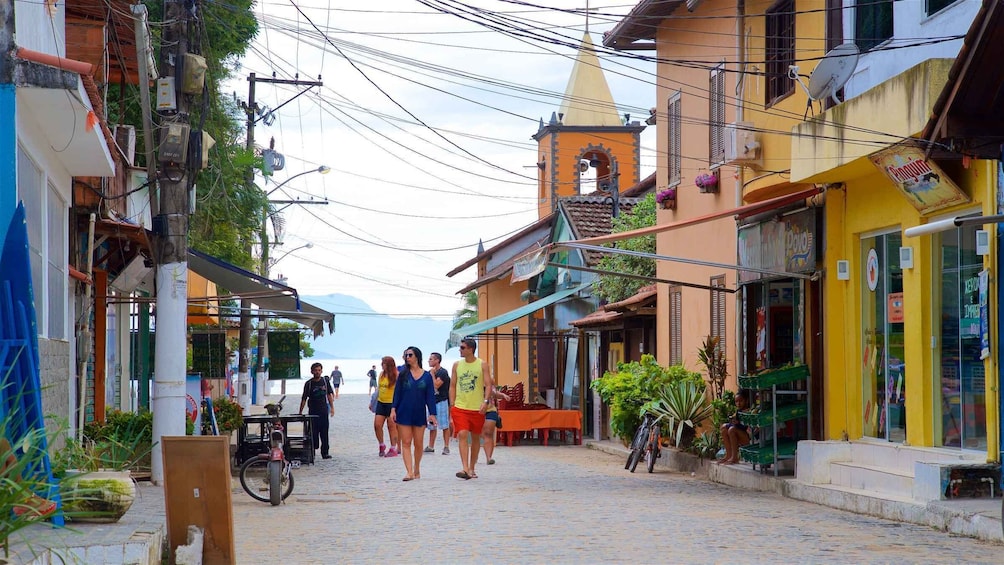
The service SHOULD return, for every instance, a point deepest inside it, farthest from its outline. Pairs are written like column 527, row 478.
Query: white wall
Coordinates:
column 910, row 25
column 36, row 29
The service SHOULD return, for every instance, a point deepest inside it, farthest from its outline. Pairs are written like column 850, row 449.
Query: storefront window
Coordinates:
column 960, row 396
column 883, row 366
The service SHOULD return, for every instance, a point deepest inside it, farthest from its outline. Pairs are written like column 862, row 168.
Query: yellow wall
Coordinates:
column 866, row 206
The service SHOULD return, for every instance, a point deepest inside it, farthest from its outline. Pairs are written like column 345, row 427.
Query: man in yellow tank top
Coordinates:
column 470, row 386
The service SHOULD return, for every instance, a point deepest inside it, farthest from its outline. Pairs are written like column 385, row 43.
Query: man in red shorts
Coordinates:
column 470, row 386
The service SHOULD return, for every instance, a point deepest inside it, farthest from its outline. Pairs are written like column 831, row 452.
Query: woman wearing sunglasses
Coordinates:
column 414, row 408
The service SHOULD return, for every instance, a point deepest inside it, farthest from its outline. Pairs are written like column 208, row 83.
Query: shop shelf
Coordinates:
column 767, row 379
column 784, row 413
column 764, row 455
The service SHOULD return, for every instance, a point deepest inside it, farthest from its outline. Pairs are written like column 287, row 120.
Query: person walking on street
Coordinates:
column 414, row 397
column 320, row 401
column 336, row 380
column 470, row 385
column 441, row 378
column 385, row 399
column 492, row 423
column 373, row 379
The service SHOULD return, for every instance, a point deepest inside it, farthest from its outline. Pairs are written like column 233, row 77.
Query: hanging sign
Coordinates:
column 209, row 354
column 529, row 265
column 283, row 355
column 925, row 185
column 984, row 315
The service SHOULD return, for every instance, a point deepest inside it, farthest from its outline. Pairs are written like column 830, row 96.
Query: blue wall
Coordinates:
column 8, row 158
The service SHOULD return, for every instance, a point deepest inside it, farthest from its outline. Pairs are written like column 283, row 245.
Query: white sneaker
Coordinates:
column 446, row 450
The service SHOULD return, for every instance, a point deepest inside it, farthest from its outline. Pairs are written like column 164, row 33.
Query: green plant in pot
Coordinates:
column 684, row 406
column 23, row 486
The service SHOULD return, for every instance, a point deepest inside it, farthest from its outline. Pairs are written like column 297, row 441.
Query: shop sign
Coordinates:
column 872, row 270
column 782, row 246
column 925, row 185
column 984, row 315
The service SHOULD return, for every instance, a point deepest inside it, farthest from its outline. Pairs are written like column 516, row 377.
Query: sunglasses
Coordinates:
column 407, row 355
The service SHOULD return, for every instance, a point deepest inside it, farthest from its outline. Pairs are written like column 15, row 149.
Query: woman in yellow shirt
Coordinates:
column 385, row 399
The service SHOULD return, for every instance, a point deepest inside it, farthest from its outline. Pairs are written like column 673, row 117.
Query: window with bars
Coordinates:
column 675, row 325
column 674, row 146
column 780, row 42
column 718, row 298
column 716, row 116
column 872, row 22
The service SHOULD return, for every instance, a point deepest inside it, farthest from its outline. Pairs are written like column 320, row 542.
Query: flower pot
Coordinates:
column 98, row 496
column 669, row 204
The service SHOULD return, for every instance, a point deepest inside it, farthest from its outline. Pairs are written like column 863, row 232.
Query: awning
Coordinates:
column 276, row 299
column 481, row 327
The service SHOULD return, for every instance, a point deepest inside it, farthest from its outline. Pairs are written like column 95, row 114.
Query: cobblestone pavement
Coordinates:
column 556, row 504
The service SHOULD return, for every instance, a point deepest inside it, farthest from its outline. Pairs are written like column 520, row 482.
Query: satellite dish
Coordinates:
column 833, row 72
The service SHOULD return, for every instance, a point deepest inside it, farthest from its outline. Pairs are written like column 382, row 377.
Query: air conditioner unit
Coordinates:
column 742, row 145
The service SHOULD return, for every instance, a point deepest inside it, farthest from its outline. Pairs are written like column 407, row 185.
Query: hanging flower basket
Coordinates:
column 666, row 198
column 707, row 182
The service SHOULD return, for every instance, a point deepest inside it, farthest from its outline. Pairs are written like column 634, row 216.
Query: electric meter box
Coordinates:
column 167, row 98
column 174, row 143
column 194, row 69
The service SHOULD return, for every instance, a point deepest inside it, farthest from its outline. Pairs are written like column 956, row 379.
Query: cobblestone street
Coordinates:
column 557, row 504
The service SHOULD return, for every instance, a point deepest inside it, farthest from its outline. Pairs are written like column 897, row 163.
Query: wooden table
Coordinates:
column 542, row 421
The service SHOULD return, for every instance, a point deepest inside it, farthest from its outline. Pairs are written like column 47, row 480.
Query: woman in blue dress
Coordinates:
column 413, row 409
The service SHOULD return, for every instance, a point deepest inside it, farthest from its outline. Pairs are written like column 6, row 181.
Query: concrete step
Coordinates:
column 872, row 478
column 903, row 457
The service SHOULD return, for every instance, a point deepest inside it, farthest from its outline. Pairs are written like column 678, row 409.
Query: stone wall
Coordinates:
column 56, row 376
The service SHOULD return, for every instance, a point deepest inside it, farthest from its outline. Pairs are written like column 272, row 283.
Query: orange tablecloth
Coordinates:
column 543, row 420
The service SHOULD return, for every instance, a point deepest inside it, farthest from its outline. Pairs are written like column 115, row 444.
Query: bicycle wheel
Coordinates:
column 274, row 482
column 254, row 478
column 637, row 444
column 653, row 450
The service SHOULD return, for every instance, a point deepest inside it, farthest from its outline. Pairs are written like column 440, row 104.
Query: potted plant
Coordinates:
column 666, row 198
column 94, row 479
column 707, row 182
column 684, row 406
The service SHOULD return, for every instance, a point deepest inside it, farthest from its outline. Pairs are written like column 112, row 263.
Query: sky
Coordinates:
column 425, row 121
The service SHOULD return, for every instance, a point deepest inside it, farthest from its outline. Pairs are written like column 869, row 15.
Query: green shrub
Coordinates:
column 683, row 406
column 635, row 384
column 229, row 416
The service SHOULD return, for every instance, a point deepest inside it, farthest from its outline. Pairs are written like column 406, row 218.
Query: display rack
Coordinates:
column 779, row 398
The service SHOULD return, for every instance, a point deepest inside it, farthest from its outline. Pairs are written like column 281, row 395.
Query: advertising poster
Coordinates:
column 984, row 315
column 924, row 184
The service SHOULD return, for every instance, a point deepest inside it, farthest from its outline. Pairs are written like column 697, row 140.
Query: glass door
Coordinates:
column 883, row 366
column 960, row 385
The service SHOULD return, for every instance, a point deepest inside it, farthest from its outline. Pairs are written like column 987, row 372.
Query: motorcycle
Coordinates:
column 270, row 472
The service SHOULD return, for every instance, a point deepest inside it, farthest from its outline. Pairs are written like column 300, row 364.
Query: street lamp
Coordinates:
column 307, row 245
column 245, row 331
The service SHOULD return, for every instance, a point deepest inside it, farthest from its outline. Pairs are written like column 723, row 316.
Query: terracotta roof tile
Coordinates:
column 590, row 216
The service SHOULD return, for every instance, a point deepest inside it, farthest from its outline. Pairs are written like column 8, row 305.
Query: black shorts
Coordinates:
column 335, row 386
column 383, row 409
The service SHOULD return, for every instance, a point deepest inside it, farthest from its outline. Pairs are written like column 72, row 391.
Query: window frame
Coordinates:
column 779, row 51
column 865, row 14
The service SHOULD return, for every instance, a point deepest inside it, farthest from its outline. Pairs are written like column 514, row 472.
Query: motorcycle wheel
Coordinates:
column 275, row 482
column 254, row 478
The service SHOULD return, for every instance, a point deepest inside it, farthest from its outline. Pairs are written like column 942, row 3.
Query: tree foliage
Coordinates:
column 613, row 288
column 465, row 316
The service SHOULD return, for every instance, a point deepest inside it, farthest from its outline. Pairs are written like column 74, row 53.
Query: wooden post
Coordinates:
column 100, row 342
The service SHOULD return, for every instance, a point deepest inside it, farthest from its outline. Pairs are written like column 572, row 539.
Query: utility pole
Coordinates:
column 244, row 361
column 171, row 243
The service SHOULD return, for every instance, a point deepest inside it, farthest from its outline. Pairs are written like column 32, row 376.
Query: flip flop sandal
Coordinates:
column 408, row 479
column 463, row 475
column 474, row 475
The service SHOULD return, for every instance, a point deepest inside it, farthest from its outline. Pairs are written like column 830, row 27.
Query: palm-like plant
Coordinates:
column 465, row 316
column 682, row 405
column 712, row 356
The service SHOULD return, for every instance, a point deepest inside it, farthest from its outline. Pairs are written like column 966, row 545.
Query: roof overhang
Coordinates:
column 491, row 323
column 51, row 90
column 967, row 114
column 637, row 31
column 275, row 299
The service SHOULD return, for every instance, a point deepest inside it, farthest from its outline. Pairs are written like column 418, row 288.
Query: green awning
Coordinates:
column 481, row 327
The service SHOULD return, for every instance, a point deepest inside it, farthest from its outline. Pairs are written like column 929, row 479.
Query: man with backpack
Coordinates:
column 319, row 398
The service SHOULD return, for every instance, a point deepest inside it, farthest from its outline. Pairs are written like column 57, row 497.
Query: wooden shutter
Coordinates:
column 675, row 325
column 780, row 43
column 716, row 116
column 674, row 146
column 718, row 321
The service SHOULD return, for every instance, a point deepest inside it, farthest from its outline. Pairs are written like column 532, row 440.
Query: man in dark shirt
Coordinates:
column 441, row 379
column 320, row 401
column 373, row 379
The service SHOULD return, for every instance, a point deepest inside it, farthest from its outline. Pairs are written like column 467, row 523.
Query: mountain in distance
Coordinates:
column 362, row 333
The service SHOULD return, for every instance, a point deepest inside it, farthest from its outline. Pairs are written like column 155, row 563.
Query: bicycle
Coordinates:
column 269, row 472
column 647, row 443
